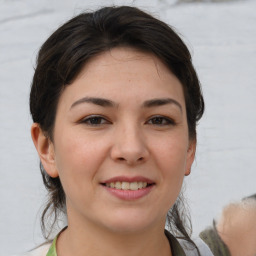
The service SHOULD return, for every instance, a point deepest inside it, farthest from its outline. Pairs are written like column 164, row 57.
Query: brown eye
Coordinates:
column 160, row 120
column 95, row 120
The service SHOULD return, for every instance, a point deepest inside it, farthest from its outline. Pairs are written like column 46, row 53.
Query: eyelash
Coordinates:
column 164, row 121
column 96, row 120
column 90, row 120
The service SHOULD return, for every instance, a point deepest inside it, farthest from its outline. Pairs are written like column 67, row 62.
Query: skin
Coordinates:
column 237, row 228
column 127, row 140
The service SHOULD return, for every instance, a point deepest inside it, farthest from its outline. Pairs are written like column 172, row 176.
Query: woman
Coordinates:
column 115, row 101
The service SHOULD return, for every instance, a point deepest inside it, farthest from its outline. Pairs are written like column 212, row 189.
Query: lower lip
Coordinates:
column 129, row 194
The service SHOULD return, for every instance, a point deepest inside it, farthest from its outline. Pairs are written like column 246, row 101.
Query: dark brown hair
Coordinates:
column 64, row 54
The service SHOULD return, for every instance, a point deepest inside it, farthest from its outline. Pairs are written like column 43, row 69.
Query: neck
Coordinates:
column 88, row 239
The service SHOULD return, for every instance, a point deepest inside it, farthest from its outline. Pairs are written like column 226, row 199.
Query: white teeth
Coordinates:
column 134, row 186
column 140, row 184
column 127, row 185
column 118, row 185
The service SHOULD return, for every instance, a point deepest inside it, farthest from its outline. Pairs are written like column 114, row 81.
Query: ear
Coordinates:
column 190, row 156
column 45, row 150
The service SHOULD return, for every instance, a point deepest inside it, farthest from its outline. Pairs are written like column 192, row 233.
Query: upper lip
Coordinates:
column 129, row 179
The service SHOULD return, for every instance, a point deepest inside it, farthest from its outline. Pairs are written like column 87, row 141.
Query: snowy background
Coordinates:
column 222, row 38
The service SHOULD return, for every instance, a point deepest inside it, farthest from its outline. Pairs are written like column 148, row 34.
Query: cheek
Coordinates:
column 171, row 154
column 171, row 163
column 78, row 159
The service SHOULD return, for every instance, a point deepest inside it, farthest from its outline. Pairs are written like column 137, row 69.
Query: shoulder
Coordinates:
column 203, row 247
column 183, row 247
column 39, row 251
column 190, row 251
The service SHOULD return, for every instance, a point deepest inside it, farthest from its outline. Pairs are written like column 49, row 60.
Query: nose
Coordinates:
column 129, row 145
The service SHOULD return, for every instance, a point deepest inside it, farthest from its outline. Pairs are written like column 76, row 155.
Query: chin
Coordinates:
column 131, row 223
column 127, row 228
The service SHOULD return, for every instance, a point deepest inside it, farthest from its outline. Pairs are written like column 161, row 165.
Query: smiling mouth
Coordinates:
column 124, row 185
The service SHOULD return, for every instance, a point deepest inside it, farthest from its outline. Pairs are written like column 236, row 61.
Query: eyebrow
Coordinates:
column 109, row 103
column 161, row 102
column 97, row 101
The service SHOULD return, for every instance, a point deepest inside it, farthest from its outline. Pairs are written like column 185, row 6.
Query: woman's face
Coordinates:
column 121, row 145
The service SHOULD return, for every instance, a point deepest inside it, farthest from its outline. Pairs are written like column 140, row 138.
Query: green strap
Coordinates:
column 52, row 250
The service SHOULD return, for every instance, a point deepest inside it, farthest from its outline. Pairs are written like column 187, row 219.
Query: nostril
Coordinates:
column 130, row 161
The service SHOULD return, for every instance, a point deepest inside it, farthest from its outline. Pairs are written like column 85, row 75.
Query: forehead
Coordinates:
column 125, row 57
column 125, row 72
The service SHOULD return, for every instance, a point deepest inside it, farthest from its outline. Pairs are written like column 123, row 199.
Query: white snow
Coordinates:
column 222, row 38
